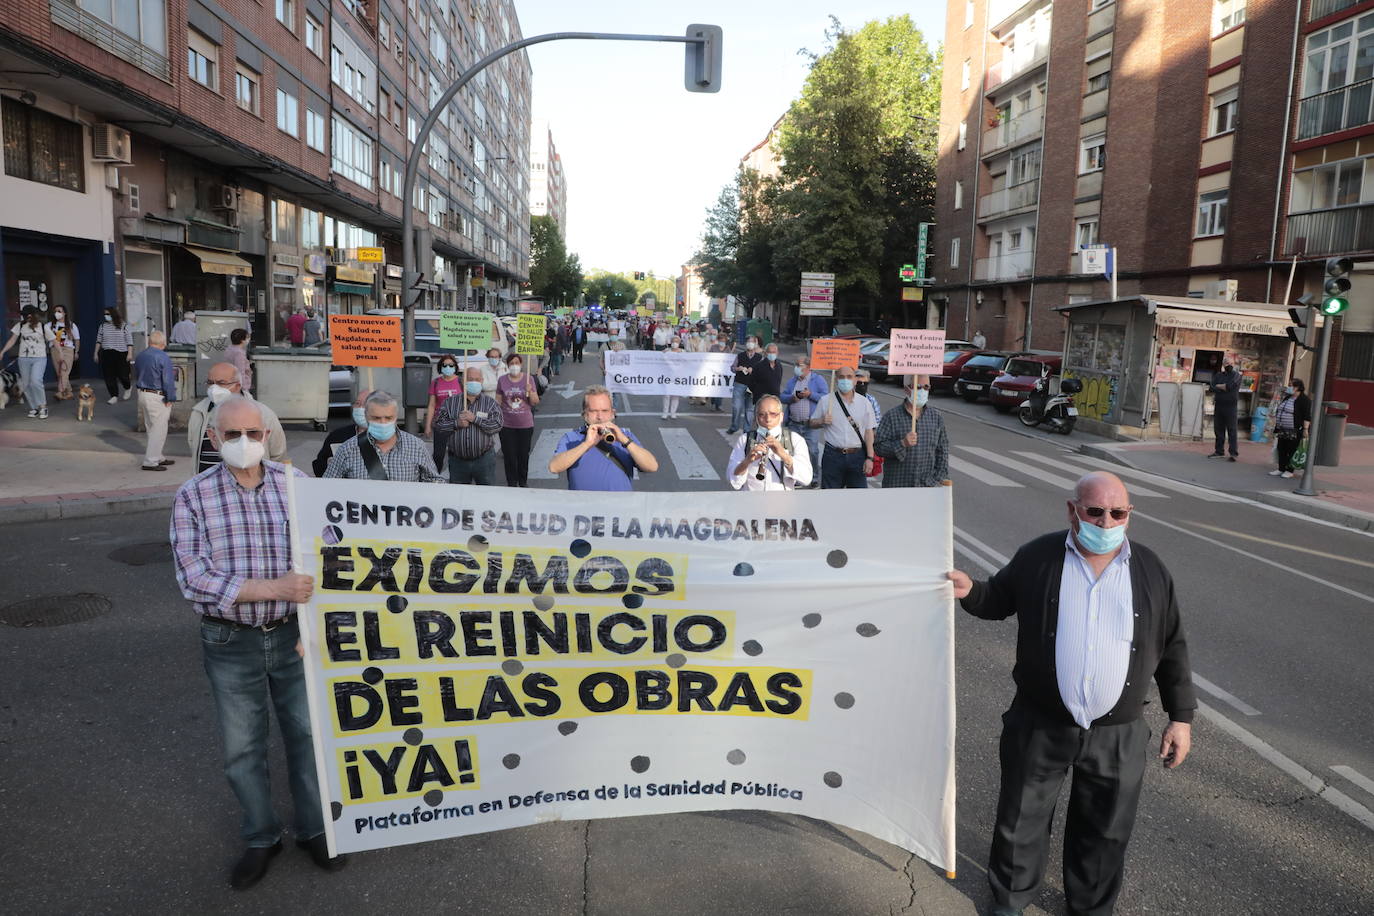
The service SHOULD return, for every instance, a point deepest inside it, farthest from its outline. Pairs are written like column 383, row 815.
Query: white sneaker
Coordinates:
column 1286, row 474
column 674, row 416
column 42, row 413
column 33, row 414
column 663, row 416
column 113, row 400
column 1275, row 473
column 127, row 393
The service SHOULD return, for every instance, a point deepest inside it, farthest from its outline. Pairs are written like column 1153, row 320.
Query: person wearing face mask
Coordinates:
column 114, row 349
column 518, row 396
column 382, row 451
column 579, row 341
column 1097, row 619
column 33, row 338
column 66, row 342
column 1292, row 417
column 915, row 454
column 767, row 377
column 847, row 422
column 670, row 401
column 743, row 367
column 467, row 425
column 231, row 545
column 862, row 380
column 803, row 394
column 222, row 382
column 769, row 457
column 356, row 426
column 155, row 379
column 492, row 371
column 663, row 332
column 447, row 382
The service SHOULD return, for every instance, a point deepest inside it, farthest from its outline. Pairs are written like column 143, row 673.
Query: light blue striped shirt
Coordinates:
column 1092, row 648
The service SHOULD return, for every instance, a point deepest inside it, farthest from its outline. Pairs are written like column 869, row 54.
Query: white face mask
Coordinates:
column 218, row 394
column 243, row 453
column 774, row 431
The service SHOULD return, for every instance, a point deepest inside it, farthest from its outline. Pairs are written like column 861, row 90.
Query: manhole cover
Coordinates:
column 54, row 610
column 143, row 554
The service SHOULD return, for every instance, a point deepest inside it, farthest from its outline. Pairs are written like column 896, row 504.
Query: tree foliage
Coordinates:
column 555, row 275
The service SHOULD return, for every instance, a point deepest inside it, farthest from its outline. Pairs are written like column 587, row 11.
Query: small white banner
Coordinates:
column 705, row 375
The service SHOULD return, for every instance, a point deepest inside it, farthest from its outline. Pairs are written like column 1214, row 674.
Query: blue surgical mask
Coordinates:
column 493, row 361
column 448, row 371
column 359, row 416
column 772, row 357
column 845, row 385
column 473, row 388
column 380, row 432
column 1100, row 540
column 919, row 397
column 797, row 371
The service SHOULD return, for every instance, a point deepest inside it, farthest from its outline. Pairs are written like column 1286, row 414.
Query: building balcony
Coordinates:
column 1322, row 8
column 100, row 33
column 1024, row 126
column 1337, row 231
column 1338, row 109
column 1017, row 265
column 1009, row 200
column 1029, row 58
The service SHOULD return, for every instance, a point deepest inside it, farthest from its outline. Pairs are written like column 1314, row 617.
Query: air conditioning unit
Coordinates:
column 110, row 143
column 227, row 198
column 1225, row 290
column 231, row 219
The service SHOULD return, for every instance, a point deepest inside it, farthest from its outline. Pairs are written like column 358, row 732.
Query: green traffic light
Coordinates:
column 1334, row 305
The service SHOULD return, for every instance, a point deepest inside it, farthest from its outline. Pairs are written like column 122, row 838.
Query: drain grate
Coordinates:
column 54, row 610
column 143, row 554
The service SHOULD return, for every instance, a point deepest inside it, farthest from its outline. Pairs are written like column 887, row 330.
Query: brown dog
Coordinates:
column 85, row 403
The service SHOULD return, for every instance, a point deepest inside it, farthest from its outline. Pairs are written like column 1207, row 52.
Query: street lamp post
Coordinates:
column 702, row 74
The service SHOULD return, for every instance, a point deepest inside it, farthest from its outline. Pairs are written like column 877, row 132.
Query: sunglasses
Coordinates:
column 1098, row 512
column 233, row 435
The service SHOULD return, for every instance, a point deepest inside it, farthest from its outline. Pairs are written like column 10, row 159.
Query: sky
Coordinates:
column 643, row 158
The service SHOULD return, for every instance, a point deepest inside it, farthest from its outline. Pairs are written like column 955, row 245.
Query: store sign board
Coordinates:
column 371, row 255
column 1223, row 322
column 354, row 275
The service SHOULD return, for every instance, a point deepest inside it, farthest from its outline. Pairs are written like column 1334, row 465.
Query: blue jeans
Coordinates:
column 251, row 672
column 841, row 471
column 556, row 361
column 31, row 369
column 739, row 407
column 481, row 471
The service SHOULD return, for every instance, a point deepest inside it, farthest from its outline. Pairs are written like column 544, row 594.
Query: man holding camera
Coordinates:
column 600, row 455
column 769, row 457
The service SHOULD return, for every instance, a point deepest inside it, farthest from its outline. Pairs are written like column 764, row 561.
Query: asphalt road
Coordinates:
column 113, row 799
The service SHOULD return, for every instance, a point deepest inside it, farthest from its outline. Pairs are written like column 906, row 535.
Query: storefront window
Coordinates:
column 1097, row 347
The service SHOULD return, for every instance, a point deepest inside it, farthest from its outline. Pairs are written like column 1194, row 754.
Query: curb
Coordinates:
column 89, row 507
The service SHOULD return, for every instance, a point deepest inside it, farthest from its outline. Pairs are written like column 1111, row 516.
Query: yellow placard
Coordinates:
column 529, row 334
column 371, row 255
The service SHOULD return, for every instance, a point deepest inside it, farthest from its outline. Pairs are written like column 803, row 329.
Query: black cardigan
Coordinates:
column 1028, row 587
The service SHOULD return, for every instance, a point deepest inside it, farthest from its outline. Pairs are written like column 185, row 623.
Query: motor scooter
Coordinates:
column 1055, row 411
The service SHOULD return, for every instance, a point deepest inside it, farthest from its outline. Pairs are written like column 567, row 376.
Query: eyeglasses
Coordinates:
column 921, row 388
column 222, row 382
column 1098, row 511
column 233, row 435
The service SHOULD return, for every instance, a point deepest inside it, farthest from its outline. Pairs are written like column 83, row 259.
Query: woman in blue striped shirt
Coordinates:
column 114, row 347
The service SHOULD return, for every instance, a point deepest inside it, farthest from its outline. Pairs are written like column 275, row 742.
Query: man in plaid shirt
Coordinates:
column 233, row 562
column 913, row 459
column 400, row 455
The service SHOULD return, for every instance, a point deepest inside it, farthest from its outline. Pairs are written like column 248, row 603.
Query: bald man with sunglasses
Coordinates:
column 1097, row 618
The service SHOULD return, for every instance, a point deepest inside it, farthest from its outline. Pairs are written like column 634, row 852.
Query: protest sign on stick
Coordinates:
column 529, row 334
column 834, row 353
column 366, row 340
column 465, row 331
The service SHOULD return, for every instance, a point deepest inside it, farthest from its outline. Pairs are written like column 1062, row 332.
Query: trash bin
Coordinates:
column 1331, row 433
column 185, row 363
column 294, row 382
column 417, row 375
column 1258, row 420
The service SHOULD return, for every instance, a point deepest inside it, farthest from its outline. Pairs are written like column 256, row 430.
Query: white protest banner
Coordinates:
column 483, row 658
column 916, row 352
column 705, row 375
column 598, row 337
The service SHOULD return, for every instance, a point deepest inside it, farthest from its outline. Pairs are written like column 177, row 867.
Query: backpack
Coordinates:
column 752, row 436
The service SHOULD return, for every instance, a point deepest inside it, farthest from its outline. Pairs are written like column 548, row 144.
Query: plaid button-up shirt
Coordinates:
column 924, row 464
column 223, row 534
column 410, row 459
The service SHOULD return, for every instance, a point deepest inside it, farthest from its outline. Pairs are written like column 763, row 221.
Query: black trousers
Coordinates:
column 1285, row 447
column 114, row 366
column 1108, row 765
column 515, row 453
column 1224, row 425
column 577, row 351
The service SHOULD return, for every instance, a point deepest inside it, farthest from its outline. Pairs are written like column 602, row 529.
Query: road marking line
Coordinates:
column 1065, row 466
column 968, row 552
column 1029, row 470
column 1000, row 558
column 1254, row 556
column 1355, row 776
column 988, row 477
column 687, row 457
column 1309, row 780
column 1286, row 546
column 1231, row 699
column 1188, row 489
column 543, row 453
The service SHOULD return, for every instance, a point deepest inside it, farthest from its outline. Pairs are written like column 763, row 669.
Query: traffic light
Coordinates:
column 702, row 71
column 1337, row 285
column 639, row 275
column 1303, row 332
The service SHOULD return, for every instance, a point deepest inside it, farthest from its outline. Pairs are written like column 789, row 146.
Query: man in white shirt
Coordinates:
column 769, row 457
column 848, row 426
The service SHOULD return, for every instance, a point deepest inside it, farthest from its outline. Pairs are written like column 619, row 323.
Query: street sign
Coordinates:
column 808, row 276
column 913, row 294
column 907, row 273
column 814, row 281
column 1094, row 260
column 811, row 297
column 817, row 310
column 371, row 255
column 922, row 247
column 823, row 291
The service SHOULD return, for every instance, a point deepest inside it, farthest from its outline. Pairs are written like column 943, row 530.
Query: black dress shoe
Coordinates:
column 167, row 462
column 318, row 848
column 252, row 866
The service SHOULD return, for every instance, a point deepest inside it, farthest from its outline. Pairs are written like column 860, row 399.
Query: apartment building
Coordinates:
column 1207, row 142
column 548, row 192
column 163, row 155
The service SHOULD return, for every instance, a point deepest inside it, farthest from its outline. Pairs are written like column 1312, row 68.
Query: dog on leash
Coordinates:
column 85, row 403
column 9, row 388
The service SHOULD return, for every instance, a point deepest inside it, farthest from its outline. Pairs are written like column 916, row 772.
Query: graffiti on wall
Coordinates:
column 1097, row 400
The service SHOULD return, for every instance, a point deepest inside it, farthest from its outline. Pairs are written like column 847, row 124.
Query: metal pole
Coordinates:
column 1307, row 487
column 1112, row 254
column 411, row 276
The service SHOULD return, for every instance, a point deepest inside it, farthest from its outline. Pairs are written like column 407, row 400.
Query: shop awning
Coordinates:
column 351, row 289
column 220, row 262
column 1264, row 318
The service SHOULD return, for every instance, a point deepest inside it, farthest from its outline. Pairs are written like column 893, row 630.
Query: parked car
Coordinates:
column 873, row 357
column 1016, row 381
column 978, row 371
column 955, row 357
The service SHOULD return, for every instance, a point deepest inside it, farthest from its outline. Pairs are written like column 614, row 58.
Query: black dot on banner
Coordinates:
column 413, row 736
column 867, row 629
column 567, row 728
column 676, row 660
column 433, row 797
column 844, row 700
column 580, row 548
column 632, row 601
column 811, row 620
column 396, row 604
column 372, row 675
column 510, row 761
column 639, row 764
column 335, row 810
column 752, row 647
column 331, row 535
column 744, row 569
column 833, row 779
column 542, row 602
column 735, row 757
column 837, row 558
column 512, row 667
column 477, row 543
